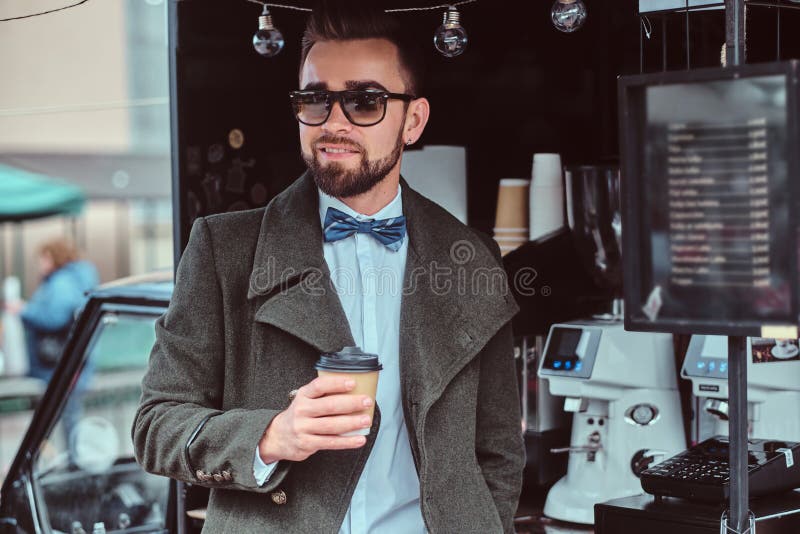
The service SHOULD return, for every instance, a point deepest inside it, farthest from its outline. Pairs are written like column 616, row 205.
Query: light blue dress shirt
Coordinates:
column 369, row 280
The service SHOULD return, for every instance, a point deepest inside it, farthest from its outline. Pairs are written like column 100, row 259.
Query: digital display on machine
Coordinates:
column 712, row 206
column 571, row 350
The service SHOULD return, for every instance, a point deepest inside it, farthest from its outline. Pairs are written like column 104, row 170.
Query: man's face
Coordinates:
column 348, row 160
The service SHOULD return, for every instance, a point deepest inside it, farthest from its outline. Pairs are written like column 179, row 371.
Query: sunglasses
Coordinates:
column 362, row 108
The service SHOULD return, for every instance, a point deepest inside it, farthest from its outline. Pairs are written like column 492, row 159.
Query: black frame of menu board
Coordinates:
column 637, row 257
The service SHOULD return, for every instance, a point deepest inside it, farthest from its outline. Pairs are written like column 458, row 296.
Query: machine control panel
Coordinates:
column 702, row 472
column 707, row 356
column 571, row 351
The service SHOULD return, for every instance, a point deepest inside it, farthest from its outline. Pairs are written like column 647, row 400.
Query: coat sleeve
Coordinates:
column 499, row 444
column 180, row 430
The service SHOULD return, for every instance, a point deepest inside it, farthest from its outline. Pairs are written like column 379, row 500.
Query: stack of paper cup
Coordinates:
column 546, row 195
column 511, row 222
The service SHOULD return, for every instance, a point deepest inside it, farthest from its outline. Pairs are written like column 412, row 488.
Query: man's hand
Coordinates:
column 320, row 412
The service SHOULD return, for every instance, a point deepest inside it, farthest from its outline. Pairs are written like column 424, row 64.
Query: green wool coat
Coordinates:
column 252, row 310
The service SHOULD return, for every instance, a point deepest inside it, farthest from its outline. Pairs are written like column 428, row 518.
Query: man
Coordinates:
column 348, row 255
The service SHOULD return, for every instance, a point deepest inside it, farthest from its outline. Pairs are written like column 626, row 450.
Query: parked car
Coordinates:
column 75, row 471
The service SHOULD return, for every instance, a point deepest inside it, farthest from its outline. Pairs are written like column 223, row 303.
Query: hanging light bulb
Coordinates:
column 450, row 38
column 268, row 40
column 568, row 15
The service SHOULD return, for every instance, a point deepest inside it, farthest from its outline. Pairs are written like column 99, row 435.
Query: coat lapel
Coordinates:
column 455, row 296
column 290, row 275
column 455, row 299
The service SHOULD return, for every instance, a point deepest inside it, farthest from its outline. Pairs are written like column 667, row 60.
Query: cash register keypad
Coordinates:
column 703, row 472
column 694, row 467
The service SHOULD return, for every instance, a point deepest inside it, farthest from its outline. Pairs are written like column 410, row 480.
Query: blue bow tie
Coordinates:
column 389, row 232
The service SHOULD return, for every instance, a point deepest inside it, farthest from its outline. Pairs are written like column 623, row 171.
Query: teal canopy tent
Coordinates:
column 27, row 195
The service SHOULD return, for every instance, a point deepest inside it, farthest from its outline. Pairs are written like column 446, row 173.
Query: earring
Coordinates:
column 409, row 142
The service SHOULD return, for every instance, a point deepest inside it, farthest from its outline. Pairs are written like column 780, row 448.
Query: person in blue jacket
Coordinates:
column 50, row 312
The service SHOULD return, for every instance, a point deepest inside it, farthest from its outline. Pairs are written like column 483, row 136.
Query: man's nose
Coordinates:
column 337, row 121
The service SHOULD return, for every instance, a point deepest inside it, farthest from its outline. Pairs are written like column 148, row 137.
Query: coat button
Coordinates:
column 218, row 477
column 278, row 497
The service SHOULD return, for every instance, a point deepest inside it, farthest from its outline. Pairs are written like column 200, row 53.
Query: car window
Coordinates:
column 85, row 472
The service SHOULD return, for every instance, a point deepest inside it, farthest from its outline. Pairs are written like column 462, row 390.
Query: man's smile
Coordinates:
column 336, row 152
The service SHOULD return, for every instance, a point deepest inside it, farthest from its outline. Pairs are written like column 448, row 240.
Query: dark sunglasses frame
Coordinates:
column 338, row 96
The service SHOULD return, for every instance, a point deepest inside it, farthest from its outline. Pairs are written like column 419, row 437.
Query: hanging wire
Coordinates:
column 397, row 10
column 430, row 8
column 647, row 26
column 76, row 4
column 263, row 3
column 296, row 8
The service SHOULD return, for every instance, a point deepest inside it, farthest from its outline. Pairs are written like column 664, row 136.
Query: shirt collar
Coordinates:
column 392, row 209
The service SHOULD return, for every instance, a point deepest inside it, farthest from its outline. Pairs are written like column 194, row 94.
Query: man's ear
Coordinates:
column 417, row 115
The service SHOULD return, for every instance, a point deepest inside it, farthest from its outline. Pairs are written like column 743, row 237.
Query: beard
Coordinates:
column 334, row 180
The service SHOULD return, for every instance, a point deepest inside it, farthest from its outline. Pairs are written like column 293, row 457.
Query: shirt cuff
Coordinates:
column 262, row 471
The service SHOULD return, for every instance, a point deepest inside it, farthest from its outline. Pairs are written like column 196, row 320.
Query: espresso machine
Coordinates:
column 773, row 386
column 622, row 390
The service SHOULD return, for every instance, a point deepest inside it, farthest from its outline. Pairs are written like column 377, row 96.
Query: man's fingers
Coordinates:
column 321, row 443
column 332, row 426
column 334, row 405
column 325, row 385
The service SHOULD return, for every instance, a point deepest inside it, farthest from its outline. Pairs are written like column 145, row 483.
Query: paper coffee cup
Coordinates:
column 512, row 203
column 362, row 367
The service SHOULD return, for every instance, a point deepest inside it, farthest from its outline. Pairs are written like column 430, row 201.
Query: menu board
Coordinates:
column 718, row 188
column 713, row 209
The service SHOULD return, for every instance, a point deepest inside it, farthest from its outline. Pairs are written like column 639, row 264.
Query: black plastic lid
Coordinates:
column 349, row 359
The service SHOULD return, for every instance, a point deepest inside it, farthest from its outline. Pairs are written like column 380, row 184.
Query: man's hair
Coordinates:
column 342, row 20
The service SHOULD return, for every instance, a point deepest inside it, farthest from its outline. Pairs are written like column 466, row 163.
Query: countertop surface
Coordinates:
column 530, row 518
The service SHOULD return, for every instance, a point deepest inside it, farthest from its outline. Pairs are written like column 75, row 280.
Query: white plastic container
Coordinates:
column 546, row 203
column 15, row 355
